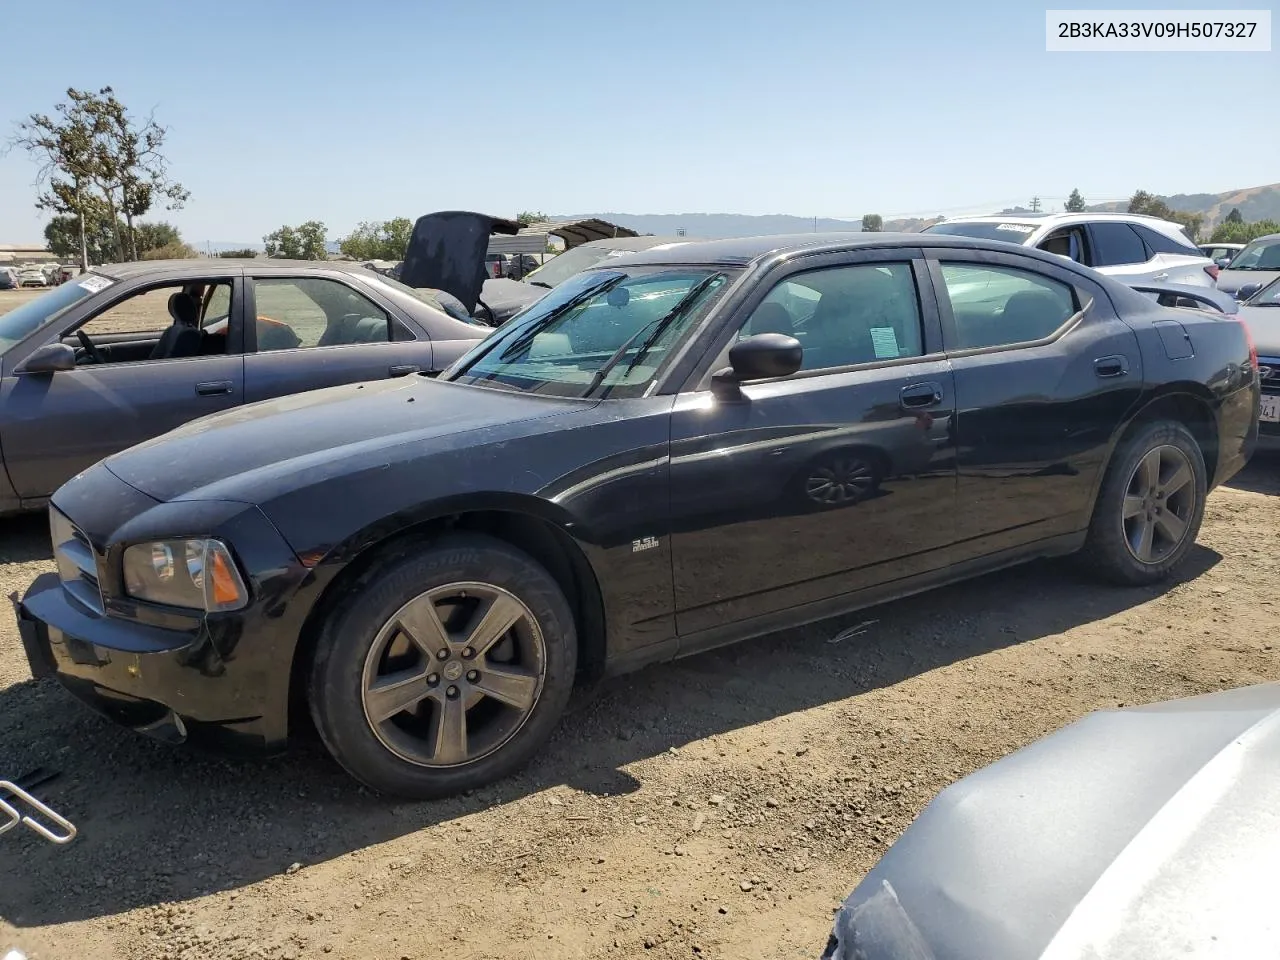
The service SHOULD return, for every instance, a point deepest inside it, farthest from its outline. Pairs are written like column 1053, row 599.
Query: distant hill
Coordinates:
column 719, row 226
column 1254, row 203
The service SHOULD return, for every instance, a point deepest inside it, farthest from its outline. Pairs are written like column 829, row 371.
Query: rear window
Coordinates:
column 1160, row 243
column 986, row 230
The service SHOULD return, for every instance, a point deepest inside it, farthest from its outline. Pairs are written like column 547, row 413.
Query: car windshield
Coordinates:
column 560, row 268
column 604, row 331
column 1268, row 296
column 986, row 230
column 1259, row 255
column 18, row 324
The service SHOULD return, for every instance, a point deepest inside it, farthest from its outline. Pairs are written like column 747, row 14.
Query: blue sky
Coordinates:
column 339, row 111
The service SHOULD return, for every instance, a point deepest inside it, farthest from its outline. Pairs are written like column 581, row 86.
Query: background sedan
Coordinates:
column 130, row 351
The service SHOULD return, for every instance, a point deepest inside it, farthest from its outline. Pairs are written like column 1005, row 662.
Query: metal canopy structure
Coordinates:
column 574, row 232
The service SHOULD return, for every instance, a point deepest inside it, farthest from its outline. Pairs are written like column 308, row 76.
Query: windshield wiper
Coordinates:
column 538, row 283
column 659, row 325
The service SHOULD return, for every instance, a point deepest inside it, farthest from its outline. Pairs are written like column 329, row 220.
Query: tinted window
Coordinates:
column 845, row 315
column 1115, row 244
column 1160, row 243
column 986, row 230
column 315, row 312
column 995, row 306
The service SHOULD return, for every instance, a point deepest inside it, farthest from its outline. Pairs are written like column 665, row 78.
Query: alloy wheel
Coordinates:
column 841, row 481
column 1159, row 504
column 454, row 674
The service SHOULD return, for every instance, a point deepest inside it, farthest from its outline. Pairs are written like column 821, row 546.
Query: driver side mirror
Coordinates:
column 1248, row 290
column 1222, row 262
column 50, row 358
column 758, row 357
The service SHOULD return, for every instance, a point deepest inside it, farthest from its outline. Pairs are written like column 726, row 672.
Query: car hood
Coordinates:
column 1264, row 327
column 305, row 438
column 1232, row 280
column 505, row 298
column 1144, row 832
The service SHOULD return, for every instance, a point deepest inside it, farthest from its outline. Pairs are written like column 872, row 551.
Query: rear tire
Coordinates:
column 446, row 669
column 1149, row 507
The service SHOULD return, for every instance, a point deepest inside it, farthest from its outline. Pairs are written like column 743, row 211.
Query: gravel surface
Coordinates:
column 717, row 807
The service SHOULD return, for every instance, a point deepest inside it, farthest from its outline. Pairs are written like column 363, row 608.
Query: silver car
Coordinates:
column 1255, row 266
column 1128, row 246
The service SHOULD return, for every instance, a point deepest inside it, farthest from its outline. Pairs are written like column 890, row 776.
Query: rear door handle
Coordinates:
column 213, row 388
column 404, row 369
column 917, row 396
column 1116, row 366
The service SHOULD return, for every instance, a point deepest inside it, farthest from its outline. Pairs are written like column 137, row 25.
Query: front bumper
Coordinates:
column 172, row 685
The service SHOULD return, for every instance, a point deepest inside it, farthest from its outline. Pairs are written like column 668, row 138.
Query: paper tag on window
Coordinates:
column 94, row 283
column 885, row 342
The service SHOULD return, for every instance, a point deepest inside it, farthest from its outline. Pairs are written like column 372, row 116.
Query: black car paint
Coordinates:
column 54, row 425
column 676, row 512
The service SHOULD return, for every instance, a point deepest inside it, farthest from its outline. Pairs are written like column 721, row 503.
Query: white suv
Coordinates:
column 1127, row 246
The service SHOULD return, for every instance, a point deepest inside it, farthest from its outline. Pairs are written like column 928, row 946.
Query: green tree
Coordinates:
column 872, row 222
column 303, row 242
column 378, row 240
column 63, row 236
column 1234, row 216
column 1152, row 206
column 175, row 250
column 245, row 254
column 153, row 236
column 527, row 217
column 1075, row 202
column 1230, row 231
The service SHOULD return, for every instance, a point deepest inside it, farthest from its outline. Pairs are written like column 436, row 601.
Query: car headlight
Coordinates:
column 197, row 574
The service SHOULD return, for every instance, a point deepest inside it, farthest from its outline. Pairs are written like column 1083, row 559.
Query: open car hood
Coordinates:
column 447, row 250
column 1136, row 833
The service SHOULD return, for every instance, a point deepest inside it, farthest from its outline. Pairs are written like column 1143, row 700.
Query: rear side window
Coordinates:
column 1115, row 244
column 1160, row 243
column 999, row 306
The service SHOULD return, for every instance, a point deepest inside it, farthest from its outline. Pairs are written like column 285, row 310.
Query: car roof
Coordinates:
column 741, row 251
column 212, row 266
column 1042, row 218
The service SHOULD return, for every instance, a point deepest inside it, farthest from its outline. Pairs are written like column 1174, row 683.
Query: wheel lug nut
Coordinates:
column 452, row 693
column 468, row 653
column 443, row 655
column 433, row 679
column 473, row 675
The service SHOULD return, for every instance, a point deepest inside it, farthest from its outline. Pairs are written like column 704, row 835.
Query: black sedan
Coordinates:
column 128, row 351
column 669, row 452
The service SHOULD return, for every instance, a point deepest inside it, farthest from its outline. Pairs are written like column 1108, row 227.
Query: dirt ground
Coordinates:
column 719, row 807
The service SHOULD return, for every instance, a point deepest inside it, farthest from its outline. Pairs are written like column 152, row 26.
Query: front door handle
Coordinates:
column 213, row 388
column 403, row 369
column 1116, row 366
column 1161, row 276
column 917, row 396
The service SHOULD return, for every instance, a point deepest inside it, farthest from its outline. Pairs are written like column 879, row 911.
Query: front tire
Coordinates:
column 1149, row 507
column 446, row 670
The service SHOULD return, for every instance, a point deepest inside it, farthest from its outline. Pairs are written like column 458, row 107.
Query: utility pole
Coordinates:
column 1035, row 204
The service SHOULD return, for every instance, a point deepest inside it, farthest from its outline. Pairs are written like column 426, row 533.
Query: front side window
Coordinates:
column 169, row 322
column 1116, row 244
column 842, row 316
column 315, row 312
column 998, row 306
column 602, row 333
column 1258, row 255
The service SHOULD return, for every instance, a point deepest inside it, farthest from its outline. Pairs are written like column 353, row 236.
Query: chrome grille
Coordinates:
column 77, row 565
column 1269, row 369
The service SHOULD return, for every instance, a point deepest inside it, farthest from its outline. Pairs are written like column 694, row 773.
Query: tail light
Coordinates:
column 1212, row 271
column 1253, row 349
